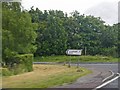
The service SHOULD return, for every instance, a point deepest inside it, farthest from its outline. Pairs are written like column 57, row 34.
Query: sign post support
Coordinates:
column 73, row 52
column 78, row 63
column 69, row 65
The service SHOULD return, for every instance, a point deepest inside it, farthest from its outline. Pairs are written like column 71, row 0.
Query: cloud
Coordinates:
column 108, row 11
column 119, row 12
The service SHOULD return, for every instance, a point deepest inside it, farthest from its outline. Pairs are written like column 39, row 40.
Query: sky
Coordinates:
column 106, row 9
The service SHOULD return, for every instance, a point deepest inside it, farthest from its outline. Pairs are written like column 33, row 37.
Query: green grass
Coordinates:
column 75, row 59
column 63, row 78
column 45, row 76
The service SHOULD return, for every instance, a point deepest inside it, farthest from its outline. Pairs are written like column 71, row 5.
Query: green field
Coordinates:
column 75, row 59
column 44, row 76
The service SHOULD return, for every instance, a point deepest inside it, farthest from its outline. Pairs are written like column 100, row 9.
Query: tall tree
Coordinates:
column 52, row 38
column 18, row 31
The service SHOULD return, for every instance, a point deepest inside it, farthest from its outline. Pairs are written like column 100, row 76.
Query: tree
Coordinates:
column 109, row 40
column 18, row 31
column 51, row 39
column 74, row 32
column 84, row 32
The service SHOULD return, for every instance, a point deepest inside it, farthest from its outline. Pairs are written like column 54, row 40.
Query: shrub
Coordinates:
column 17, row 69
column 24, row 62
column 18, row 64
column 110, row 51
column 6, row 72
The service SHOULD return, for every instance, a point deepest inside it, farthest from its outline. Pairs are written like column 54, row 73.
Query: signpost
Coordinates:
column 74, row 52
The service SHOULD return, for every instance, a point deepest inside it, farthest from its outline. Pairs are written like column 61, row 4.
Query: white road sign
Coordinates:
column 73, row 52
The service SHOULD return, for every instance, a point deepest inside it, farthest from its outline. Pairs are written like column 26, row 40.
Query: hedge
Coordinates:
column 6, row 72
column 18, row 64
column 25, row 62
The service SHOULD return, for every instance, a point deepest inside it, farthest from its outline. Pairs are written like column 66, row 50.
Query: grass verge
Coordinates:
column 75, row 59
column 44, row 76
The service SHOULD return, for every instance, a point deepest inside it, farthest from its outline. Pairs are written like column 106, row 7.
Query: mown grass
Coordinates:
column 44, row 76
column 64, row 58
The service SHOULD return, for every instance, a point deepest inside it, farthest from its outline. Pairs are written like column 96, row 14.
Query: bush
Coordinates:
column 110, row 51
column 6, row 72
column 18, row 64
column 24, row 62
column 20, row 68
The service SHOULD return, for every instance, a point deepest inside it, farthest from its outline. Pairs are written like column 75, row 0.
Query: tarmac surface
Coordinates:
column 100, row 72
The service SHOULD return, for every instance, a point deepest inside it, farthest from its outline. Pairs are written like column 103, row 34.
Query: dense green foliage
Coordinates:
column 26, row 60
column 6, row 72
column 57, row 32
column 19, row 64
column 18, row 31
column 18, row 36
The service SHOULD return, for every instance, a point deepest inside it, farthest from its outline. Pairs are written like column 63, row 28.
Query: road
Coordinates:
column 100, row 72
column 112, row 67
column 114, row 84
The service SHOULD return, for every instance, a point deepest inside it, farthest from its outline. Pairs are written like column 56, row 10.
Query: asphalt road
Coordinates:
column 113, row 84
column 100, row 72
column 112, row 67
column 106, row 67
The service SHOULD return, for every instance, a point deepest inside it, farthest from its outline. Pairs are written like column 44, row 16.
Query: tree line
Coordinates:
column 52, row 32
column 57, row 32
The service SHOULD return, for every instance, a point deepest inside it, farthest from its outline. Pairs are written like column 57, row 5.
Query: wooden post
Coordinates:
column 85, row 50
column 78, row 64
column 69, row 65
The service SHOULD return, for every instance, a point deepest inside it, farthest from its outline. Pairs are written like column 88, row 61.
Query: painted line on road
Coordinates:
column 108, row 76
column 107, row 82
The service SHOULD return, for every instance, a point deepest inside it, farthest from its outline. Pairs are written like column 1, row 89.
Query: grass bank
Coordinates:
column 44, row 76
column 64, row 58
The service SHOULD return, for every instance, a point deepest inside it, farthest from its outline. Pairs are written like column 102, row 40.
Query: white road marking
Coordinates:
column 108, row 76
column 107, row 82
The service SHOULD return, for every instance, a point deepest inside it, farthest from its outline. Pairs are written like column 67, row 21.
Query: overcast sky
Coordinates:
column 106, row 9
